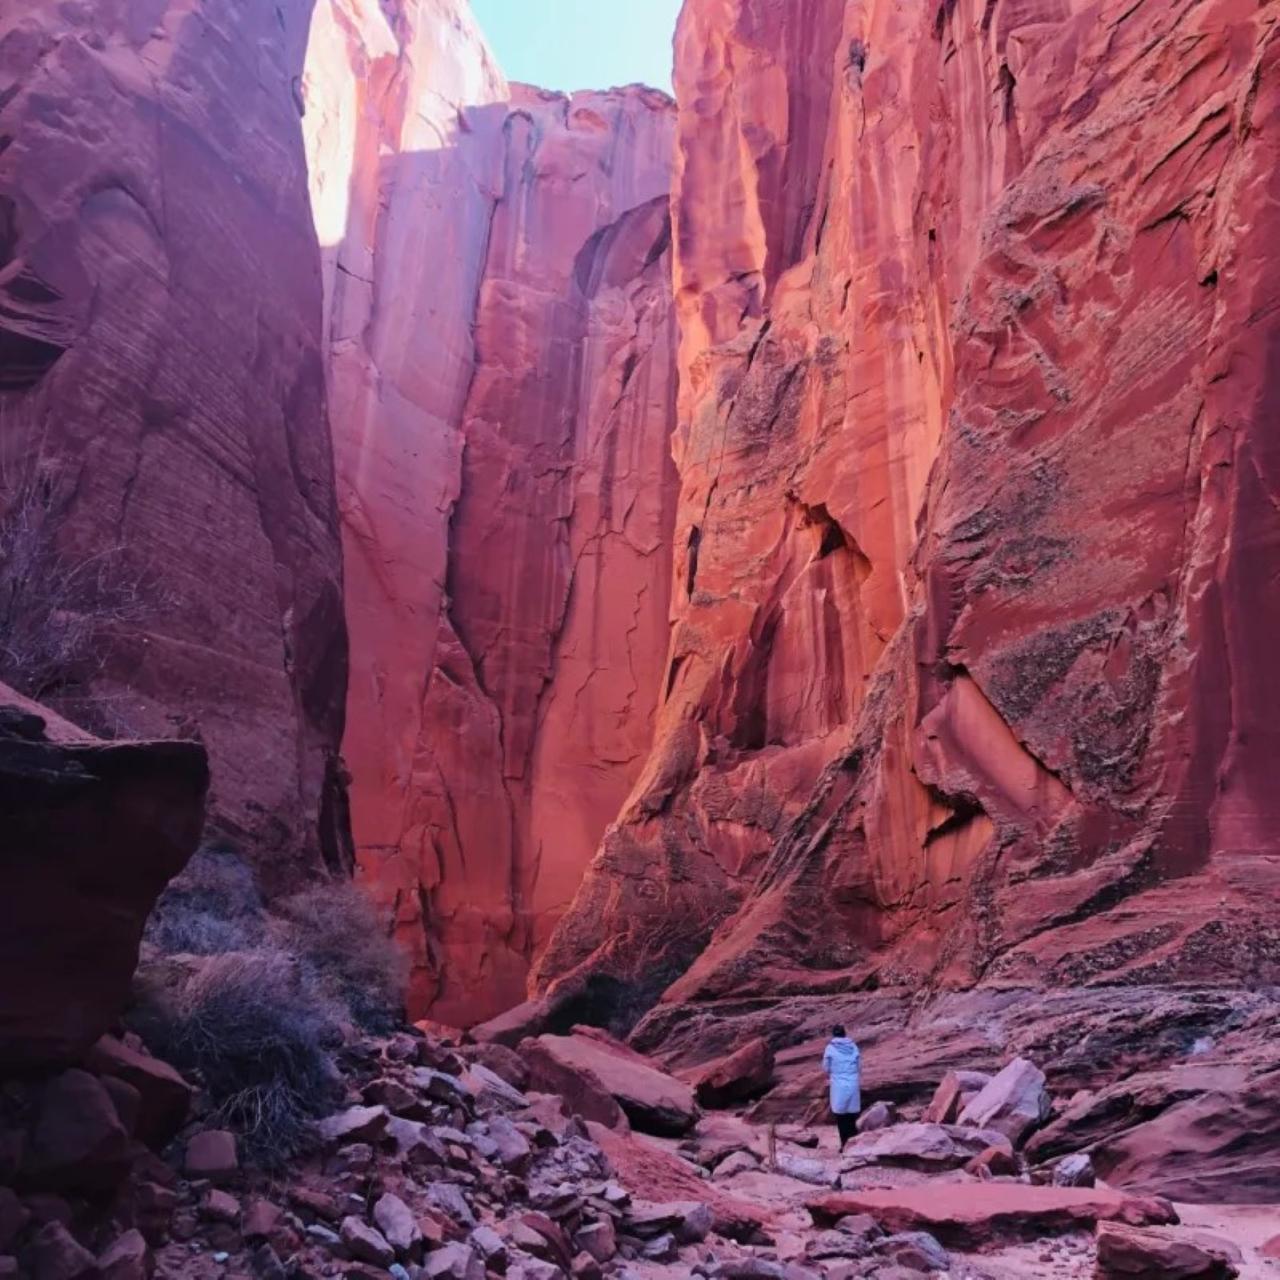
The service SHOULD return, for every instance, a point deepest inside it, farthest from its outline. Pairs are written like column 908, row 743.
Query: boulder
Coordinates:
column 743, row 1269
column 355, row 1124
column 492, row 1090
column 824, row 1246
column 974, row 1215
column 164, row 1096
column 1013, row 1102
column 126, row 1102
column 585, row 1267
column 212, row 1154
column 93, row 831
column 1203, row 1130
column 957, row 1089
column 127, row 1258
column 880, row 1115
column 454, row 1262
column 688, row 1221
column 441, row 1086
column 518, row 1023
column 921, row 1146
column 599, row 1239
column 310, row 1203
column 1136, row 1253
column 811, row 1169
column 737, row 1162
column 913, row 1251
column 395, row 1220
column 77, row 1142
column 511, row 1147
column 364, row 1243
column 542, row 1236
column 396, row 1098
column 490, row 1246
column 994, row 1162
column 220, row 1206
column 1074, row 1171
column 261, row 1219
column 452, row 1203
column 738, row 1077
column 582, row 1068
column 503, row 1061
column 55, row 1254
column 580, row 1090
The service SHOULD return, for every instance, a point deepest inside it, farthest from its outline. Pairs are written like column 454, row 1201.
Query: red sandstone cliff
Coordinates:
column 160, row 353
column 501, row 366
column 979, row 479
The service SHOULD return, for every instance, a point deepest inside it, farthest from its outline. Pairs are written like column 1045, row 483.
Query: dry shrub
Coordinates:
column 56, row 607
column 259, row 1038
column 254, row 1004
column 214, row 906
column 338, row 934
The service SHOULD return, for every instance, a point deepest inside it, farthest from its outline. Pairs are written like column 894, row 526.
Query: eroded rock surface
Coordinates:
column 161, row 379
column 502, row 370
column 969, row 677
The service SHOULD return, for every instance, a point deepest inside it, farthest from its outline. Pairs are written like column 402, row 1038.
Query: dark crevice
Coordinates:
column 1007, row 84
column 695, row 542
column 673, row 675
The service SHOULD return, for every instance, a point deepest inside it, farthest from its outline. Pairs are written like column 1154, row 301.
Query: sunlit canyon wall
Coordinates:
column 501, row 365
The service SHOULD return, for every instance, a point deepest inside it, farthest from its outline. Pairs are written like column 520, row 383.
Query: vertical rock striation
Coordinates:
column 502, row 373
column 161, row 376
column 978, row 312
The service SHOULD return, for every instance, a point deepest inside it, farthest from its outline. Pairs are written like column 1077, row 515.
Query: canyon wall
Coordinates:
column 979, row 478
column 501, row 361
column 162, row 395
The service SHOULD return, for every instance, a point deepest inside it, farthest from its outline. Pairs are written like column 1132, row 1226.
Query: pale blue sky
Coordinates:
column 581, row 44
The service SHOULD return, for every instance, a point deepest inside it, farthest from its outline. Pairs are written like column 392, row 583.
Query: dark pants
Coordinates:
column 846, row 1127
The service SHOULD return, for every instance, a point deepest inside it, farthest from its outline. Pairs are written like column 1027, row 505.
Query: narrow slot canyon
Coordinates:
column 523, row 606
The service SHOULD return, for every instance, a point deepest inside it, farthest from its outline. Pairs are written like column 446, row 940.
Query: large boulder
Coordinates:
column 77, row 1141
column 1014, row 1102
column 164, row 1097
column 957, row 1090
column 1202, row 1130
column 653, row 1101
column 737, row 1077
column 923, row 1146
column 1161, row 1253
column 973, row 1215
column 93, row 831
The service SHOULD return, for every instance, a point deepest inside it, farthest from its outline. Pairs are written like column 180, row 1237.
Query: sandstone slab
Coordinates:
column 970, row 1216
column 652, row 1100
column 1154, row 1253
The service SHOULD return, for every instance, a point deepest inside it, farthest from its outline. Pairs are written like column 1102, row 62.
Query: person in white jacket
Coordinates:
column 842, row 1063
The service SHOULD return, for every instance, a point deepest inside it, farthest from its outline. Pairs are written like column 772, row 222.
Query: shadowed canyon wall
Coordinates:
column 162, row 387
column 977, row 441
column 501, row 359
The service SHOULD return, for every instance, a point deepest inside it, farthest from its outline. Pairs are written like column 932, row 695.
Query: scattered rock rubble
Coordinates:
column 453, row 1162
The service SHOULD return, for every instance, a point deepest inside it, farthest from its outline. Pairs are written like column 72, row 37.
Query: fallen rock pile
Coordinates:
column 463, row 1162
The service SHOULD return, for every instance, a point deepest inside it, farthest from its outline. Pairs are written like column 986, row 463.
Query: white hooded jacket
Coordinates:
column 842, row 1063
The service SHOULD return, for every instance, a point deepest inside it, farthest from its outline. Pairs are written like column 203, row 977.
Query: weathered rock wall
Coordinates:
column 161, row 371
column 501, row 364
column 978, row 310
